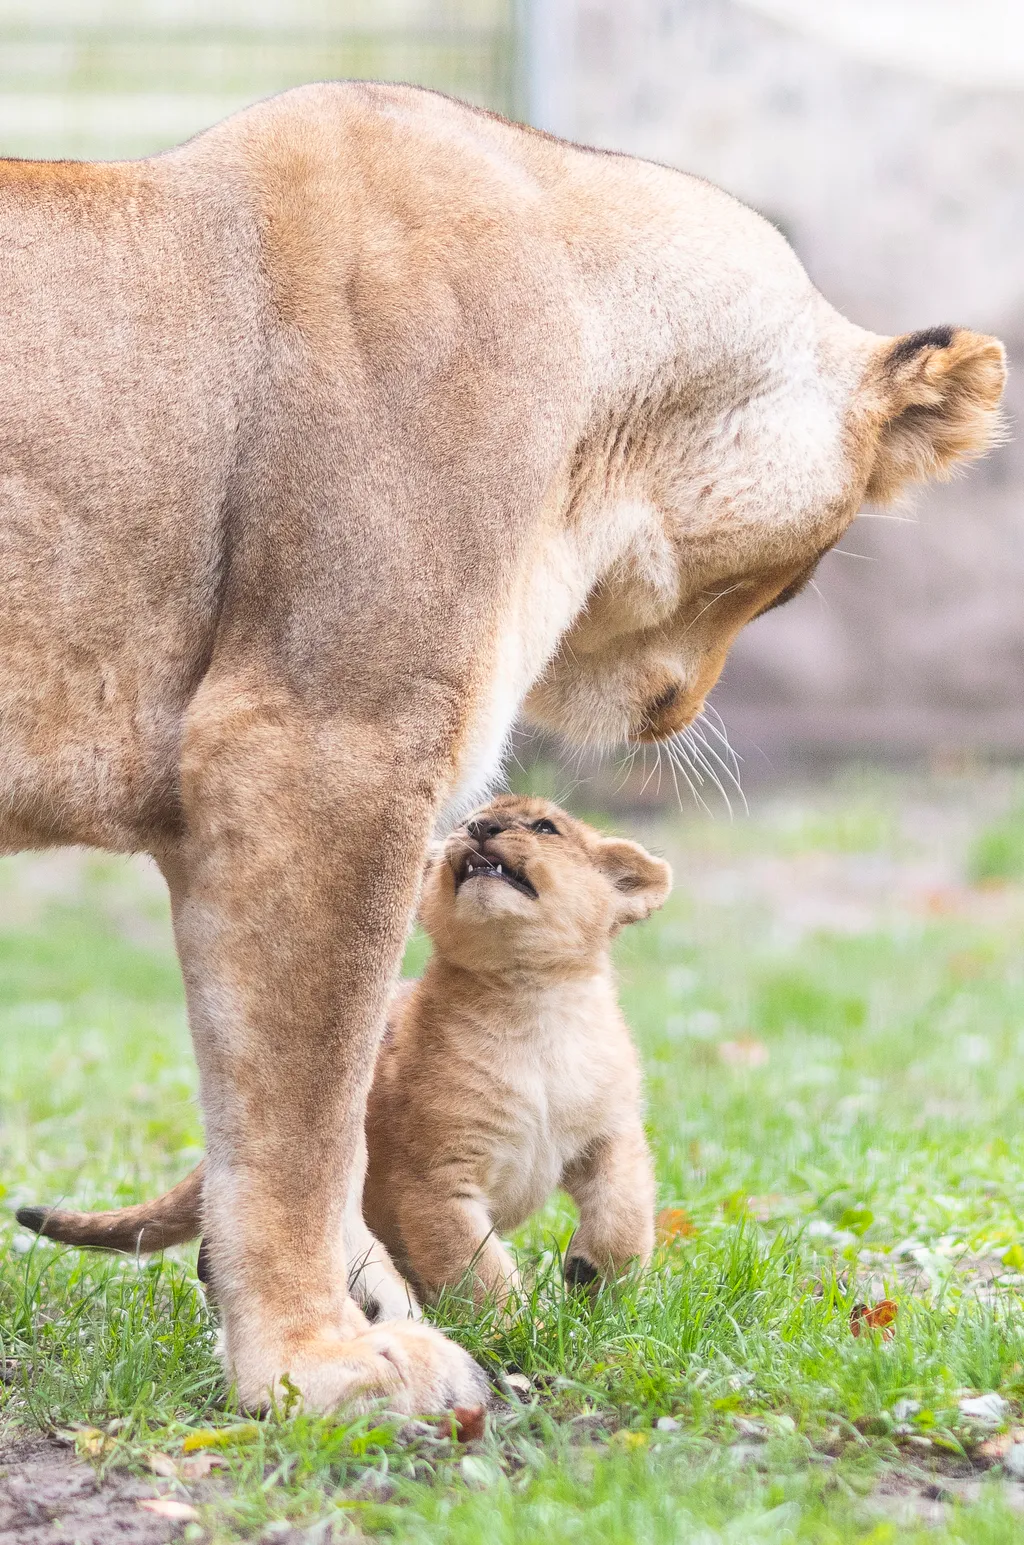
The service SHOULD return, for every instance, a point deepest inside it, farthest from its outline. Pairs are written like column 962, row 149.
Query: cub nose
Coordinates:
column 485, row 827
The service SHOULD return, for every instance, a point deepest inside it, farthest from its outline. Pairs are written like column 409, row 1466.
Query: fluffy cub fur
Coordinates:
column 507, row 1070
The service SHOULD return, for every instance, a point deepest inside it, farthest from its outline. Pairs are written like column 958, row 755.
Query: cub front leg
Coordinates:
column 613, row 1187
column 447, row 1236
column 291, row 894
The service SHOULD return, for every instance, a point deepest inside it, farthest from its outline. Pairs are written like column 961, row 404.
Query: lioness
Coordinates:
column 330, row 443
column 507, row 1070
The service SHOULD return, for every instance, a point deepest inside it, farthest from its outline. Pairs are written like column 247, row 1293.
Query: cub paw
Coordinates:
column 579, row 1273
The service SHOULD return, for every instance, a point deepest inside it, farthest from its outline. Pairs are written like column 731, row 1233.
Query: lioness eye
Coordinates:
column 548, row 827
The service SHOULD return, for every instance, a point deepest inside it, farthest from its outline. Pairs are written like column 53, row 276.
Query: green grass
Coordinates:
column 998, row 853
column 831, row 1013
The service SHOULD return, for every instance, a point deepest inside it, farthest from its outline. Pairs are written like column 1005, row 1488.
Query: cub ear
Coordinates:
column 641, row 880
column 939, row 396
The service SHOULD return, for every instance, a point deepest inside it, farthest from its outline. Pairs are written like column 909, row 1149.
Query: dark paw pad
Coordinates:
column 580, row 1273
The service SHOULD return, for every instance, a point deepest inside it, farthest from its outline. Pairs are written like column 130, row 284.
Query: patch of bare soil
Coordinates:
column 910, row 1495
column 49, row 1497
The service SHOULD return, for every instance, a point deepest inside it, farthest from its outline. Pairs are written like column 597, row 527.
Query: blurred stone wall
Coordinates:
column 905, row 199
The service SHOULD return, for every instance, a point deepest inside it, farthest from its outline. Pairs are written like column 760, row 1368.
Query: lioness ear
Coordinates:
column 939, row 394
column 641, row 880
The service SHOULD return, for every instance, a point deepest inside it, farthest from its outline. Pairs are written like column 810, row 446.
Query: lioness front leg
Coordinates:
column 448, row 1235
column 613, row 1187
column 291, row 895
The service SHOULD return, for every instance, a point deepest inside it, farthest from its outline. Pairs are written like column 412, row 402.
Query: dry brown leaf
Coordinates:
column 91, row 1442
column 168, row 1507
column 162, row 1464
column 672, row 1224
column 879, row 1316
column 745, row 1052
column 198, row 1466
column 470, row 1423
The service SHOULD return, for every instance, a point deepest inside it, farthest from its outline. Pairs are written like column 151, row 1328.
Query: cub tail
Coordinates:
column 172, row 1219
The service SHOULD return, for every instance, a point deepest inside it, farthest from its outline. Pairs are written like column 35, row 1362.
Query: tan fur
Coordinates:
column 510, row 1069
column 329, row 443
column 507, row 1069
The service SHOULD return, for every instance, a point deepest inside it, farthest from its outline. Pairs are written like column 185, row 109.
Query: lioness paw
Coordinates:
column 403, row 1366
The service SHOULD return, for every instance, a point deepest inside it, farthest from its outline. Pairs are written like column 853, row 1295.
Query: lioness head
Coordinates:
column 523, row 885
column 735, row 496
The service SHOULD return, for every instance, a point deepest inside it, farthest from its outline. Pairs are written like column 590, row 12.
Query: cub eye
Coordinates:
column 547, row 827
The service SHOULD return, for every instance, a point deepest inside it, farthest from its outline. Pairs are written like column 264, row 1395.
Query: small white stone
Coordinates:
column 667, row 1424
column 988, row 1409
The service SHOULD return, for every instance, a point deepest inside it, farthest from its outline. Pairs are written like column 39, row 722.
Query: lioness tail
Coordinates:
column 172, row 1219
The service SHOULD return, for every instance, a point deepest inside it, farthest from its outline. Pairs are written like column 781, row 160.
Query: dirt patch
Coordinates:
column 49, row 1497
column 910, row 1496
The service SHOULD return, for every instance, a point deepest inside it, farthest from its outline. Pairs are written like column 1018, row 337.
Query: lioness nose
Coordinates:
column 484, row 828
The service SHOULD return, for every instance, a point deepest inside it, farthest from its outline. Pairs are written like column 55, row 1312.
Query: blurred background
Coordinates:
column 884, row 137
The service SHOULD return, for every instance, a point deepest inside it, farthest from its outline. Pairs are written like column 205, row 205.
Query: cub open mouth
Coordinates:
column 476, row 867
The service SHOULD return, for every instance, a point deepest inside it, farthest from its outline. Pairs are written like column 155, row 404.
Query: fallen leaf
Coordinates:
column 220, row 1437
column 91, row 1441
column 629, row 1440
column 198, row 1466
column 470, row 1423
column 673, row 1224
column 167, row 1507
column 745, row 1052
column 879, row 1316
column 519, row 1382
column 162, row 1464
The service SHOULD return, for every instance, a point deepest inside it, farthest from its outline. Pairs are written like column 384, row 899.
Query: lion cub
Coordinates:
column 506, row 1070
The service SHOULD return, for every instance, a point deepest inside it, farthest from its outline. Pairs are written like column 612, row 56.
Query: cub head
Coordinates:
column 521, row 885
